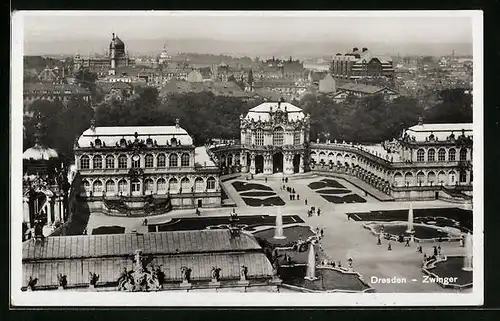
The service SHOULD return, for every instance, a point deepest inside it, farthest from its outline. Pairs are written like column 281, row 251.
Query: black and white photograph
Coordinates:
column 246, row 158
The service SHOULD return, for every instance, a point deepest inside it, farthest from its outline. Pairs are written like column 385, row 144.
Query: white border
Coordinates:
column 68, row 298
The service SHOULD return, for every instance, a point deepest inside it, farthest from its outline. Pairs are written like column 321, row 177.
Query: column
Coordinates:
column 268, row 164
column 49, row 212
column 287, row 164
column 301, row 166
column 26, row 211
column 252, row 163
column 57, row 209
column 243, row 161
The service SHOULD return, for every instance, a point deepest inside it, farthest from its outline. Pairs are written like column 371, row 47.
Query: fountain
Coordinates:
column 311, row 264
column 410, row 221
column 468, row 253
column 278, row 231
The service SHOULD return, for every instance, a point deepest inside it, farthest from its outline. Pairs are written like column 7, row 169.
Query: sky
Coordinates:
column 49, row 30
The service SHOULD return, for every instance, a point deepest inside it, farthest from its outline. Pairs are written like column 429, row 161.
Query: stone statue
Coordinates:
column 62, row 280
column 243, row 273
column 31, row 283
column 93, row 278
column 186, row 274
column 215, row 273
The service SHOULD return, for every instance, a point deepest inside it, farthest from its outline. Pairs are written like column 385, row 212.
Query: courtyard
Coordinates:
column 343, row 238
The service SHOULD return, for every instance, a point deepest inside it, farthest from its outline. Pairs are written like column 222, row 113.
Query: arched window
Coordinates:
column 122, row 186
column 441, row 155
column 431, row 178
column 463, row 176
column 420, row 155
column 84, row 162
column 452, row 178
column 185, row 185
column 229, row 160
column 339, row 158
column 463, row 154
column 110, row 186
column 248, row 138
column 313, row 156
column 210, row 184
column 331, row 157
column 97, row 188
column 148, row 185
column 110, row 161
column 441, row 177
column 161, row 160
column 136, row 185
column 173, row 185
column 409, row 179
column 122, row 161
column 431, row 155
column 199, row 185
column 97, row 162
column 278, row 136
column 86, row 185
column 161, row 186
column 398, row 179
column 185, row 160
column 420, row 178
column 452, row 154
column 296, row 137
column 148, row 161
column 259, row 137
column 172, row 160
column 321, row 157
column 136, row 161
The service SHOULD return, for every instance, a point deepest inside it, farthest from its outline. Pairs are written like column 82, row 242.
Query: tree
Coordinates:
column 455, row 106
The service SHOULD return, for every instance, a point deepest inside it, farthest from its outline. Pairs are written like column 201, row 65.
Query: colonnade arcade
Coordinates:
column 138, row 186
column 273, row 161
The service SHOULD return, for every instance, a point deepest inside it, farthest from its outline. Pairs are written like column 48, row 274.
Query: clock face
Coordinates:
column 135, row 158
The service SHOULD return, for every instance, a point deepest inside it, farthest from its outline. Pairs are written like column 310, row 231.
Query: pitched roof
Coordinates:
column 172, row 242
column 31, row 88
column 440, row 131
column 368, row 89
column 263, row 111
column 112, row 135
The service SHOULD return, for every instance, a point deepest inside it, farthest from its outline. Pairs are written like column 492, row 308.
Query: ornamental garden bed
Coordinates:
column 351, row 198
column 108, row 230
column 270, row 201
column 333, row 191
column 257, row 194
column 201, row 223
column 421, row 231
column 244, row 186
column 326, row 182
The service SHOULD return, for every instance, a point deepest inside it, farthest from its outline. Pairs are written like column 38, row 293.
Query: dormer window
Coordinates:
column 123, row 142
column 173, row 141
column 98, row 142
column 149, row 142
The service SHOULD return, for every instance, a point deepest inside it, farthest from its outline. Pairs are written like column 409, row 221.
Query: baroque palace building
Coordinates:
column 427, row 161
column 132, row 170
column 274, row 137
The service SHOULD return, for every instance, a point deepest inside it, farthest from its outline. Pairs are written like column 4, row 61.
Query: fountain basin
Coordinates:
column 329, row 279
column 448, row 272
column 421, row 232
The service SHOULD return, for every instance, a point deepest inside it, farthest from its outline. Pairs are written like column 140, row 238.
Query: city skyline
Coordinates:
column 241, row 33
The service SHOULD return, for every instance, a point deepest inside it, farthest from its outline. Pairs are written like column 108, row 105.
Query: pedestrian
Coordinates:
column 420, row 248
column 407, row 244
column 389, row 247
column 439, row 250
column 265, row 179
column 293, row 190
column 319, row 211
column 305, row 201
column 145, row 222
column 435, row 251
column 425, row 257
column 317, row 231
column 290, row 196
column 298, row 197
column 286, row 180
column 379, row 242
column 322, row 232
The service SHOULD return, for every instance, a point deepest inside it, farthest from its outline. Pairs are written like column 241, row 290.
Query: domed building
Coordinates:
column 44, row 189
column 117, row 57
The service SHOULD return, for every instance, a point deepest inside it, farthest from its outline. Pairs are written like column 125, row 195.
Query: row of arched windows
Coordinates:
column 430, row 179
column 98, row 162
column 110, row 187
column 441, row 155
column 278, row 137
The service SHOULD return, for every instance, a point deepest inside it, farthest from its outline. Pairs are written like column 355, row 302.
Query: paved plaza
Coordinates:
column 343, row 239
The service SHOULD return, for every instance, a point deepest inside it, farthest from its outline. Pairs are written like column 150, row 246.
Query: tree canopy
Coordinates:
column 207, row 116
